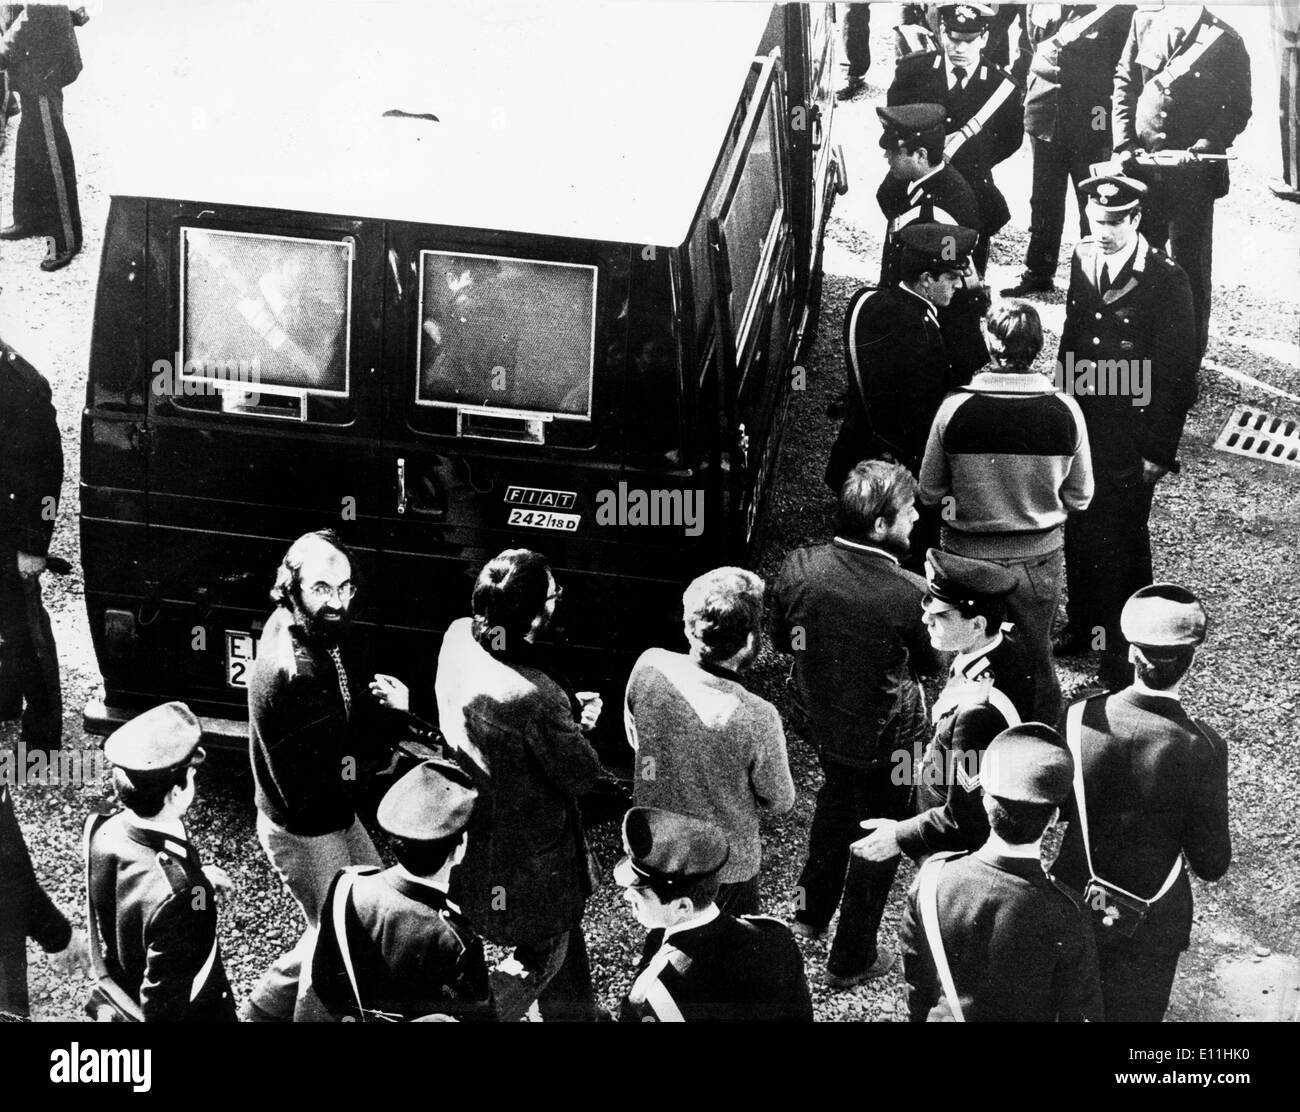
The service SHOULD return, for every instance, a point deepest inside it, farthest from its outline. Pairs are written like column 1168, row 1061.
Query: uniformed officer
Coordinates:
column 1182, row 83
column 391, row 945
column 699, row 963
column 990, row 688
column 39, row 52
column 984, row 119
column 1128, row 355
column 153, row 904
column 988, row 936
column 922, row 187
column 31, row 476
column 1284, row 19
column 1151, row 790
column 1067, row 118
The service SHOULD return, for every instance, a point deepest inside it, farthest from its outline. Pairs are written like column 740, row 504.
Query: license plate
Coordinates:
column 241, row 649
column 545, row 519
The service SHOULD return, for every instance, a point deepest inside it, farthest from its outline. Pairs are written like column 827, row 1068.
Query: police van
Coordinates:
column 543, row 281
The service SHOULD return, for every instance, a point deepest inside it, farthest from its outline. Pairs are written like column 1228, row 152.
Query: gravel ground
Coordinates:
column 1226, row 527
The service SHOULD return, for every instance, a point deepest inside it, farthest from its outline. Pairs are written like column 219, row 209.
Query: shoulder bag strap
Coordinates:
column 928, row 901
column 339, row 915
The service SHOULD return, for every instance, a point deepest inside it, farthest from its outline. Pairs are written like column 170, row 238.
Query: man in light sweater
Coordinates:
column 1006, row 461
column 705, row 745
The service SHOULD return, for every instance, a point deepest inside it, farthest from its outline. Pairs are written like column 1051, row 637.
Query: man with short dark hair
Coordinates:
column 990, row 688
column 519, row 729
column 1007, row 461
column 314, row 732
column 154, row 905
column 851, row 615
column 700, row 963
column 1151, row 791
column 989, row 936
column 705, row 745
column 392, row 945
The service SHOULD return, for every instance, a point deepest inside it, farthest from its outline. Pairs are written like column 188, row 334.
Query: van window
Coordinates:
column 263, row 317
column 749, row 220
column 506, row 334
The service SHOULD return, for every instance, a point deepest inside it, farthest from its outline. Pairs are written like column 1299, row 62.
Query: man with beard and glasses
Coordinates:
column 706, row 746
column 518, row 728
column 852, row 618
column 311, row 728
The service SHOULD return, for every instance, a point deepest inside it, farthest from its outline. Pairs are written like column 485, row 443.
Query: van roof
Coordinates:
column 597, row 121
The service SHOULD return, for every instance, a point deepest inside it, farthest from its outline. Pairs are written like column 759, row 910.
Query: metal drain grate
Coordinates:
column 1256, row 434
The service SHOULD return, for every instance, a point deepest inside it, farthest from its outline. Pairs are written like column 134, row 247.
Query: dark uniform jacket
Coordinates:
column 304, row 739
column 727, row 970
column 31, row 458
column 860, row 647
column 25, row 910
column 1156, row 785
column 1072, row 74
column 413, row 954
column 39, row 47
column 1018, row 947
column 995, row 690
column 973, row 147
column 903, row 372
column 524, row 877
column 1146, row 315
column 1160, row 108
column 157, row 917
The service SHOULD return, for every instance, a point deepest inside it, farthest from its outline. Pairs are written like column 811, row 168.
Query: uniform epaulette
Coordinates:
column 912, row 59
column 1076, row 898
column 177, row 875
column 26, row 374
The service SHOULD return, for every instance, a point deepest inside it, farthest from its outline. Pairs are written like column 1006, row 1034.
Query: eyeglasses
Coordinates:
column 344, row 592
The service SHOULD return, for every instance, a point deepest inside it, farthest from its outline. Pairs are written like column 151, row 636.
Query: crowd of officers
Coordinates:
column 968, row 486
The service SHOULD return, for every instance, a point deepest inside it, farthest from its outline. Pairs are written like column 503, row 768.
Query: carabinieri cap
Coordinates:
column 1163, row 616
column 944, row 246
column 967, row 19
column 432, row 802
column 669, row 850
column 1113, row 192
column 963, row 581
column 912, row 125
column 1028, row 763
column 164, row 737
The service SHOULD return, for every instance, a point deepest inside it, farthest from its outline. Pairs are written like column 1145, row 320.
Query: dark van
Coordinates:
column 570, row 323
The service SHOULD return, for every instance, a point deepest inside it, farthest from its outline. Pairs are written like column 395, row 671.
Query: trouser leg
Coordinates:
column 23, row 680
column 1135, row 983
column 1191, row 246
column 45, row 177
column 857, row 39
column 521, row 978
column 834, row 826
column 13, row 973
column 1118, row 563
column 1289, row 114
column 740, row 898
column 569, row 995
column 1032, row 608
column 1046, row 206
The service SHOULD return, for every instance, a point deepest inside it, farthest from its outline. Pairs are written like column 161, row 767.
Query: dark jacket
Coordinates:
column 524, row 878
column 25, row 910
column 995, row 690
column 412, row 952
column 308, row 751
column 1156, row 784
column 904, row 372
column 726, row 971
column 31, row 457
column 852, row 618
column 923, row 78
column 1072, row 74
column 1160, row 110
column 38, row 47
column 1018, row 947
column 157, row 919
column 1145, row 315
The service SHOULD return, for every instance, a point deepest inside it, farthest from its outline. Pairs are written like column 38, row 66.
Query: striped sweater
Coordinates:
column 1006, row 460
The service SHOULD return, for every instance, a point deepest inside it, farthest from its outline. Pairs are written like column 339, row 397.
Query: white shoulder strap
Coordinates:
column 927, row 899
column 1076, row 29
column 975, row 124
column 1206, row 36
column 339, row 915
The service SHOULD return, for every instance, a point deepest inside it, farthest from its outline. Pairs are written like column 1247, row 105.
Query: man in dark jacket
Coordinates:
column 1182, row 83
column 154, row 903
column 852, row 618
column 39, row 52
column 1018, row 947
column 700, row 963
column 1128, row 355
column 31, row 476
column 1154, row 791
column 1067, row 118
column 27, row 912
column 392, row 946
column 984, row 123
column 520, row 731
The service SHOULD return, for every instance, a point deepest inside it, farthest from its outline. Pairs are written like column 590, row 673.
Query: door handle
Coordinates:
column 401, row 485
column 817, row 136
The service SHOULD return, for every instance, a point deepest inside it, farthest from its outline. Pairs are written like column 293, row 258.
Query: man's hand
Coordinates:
column 74, row 957
column 1152, row 473
column 390, row 692
column 591, row 708
column 219, row 879
column 29, row 567
column 881, row 844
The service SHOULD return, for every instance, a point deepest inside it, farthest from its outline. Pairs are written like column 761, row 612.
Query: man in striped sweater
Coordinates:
column 1006, row 461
